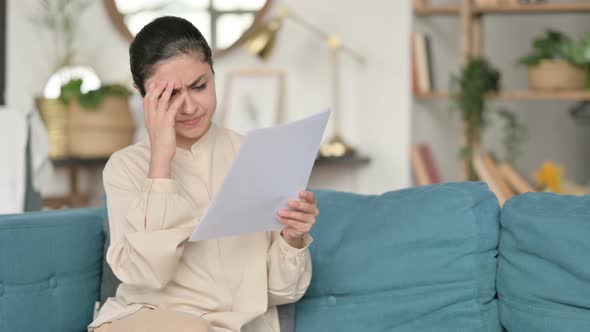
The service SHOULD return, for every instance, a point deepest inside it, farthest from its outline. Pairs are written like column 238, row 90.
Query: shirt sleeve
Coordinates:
column 289, row 270
column 149, row 224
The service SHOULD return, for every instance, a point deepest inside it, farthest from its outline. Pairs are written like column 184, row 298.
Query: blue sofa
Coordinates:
column 435, row 258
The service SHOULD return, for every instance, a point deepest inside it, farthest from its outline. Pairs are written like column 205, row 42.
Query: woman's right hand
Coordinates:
column 159, row 118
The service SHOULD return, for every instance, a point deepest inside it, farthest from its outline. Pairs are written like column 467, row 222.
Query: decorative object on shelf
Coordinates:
column 549, row 177
column 261, row 41
column 558, row 62
column 477, row 80
column 422, row 71
column 223, row 23
column 252, row 98
column 99, row 121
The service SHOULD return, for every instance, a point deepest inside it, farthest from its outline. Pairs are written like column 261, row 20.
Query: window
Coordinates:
column 222, row 22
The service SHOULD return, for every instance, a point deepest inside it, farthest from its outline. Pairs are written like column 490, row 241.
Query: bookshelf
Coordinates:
column 470, row 16
column 518, row 95
column 425, row 10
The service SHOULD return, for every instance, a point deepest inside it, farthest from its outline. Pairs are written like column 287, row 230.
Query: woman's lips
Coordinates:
column 191, row 122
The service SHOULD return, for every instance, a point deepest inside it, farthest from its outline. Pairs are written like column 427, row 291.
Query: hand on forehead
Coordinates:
column 183, row 71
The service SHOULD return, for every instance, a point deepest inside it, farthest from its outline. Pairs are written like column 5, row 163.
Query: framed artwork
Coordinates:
column 253, row 98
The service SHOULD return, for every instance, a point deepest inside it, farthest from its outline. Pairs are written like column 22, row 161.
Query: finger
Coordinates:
column 174, row 107
column 155, row 94
column 146, row 112
column 303, row 207
column 299, row 216
column 165, row 98
column 308, row 196
column 297, row 225
column 150, row 102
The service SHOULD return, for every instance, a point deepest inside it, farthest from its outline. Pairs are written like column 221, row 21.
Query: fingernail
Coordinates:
column 282, row 213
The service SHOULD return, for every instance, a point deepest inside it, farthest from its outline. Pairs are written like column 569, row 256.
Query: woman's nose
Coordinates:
column 189, row 105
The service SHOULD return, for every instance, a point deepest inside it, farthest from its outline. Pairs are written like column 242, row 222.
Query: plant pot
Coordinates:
column 55, row 116
column 99, row 132
column 556, row 75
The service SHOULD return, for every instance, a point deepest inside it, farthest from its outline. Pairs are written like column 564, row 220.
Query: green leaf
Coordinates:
column 92, row 99
column 70, row 90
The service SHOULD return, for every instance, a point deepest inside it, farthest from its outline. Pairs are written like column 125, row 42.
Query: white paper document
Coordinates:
column 272, row 166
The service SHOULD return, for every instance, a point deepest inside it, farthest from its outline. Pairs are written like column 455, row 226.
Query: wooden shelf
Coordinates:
column 432, row 95
column 436, row 10
column 79, row 162
column 574, row 7
column 520, row 95
column 545, row 95
column 344, row 161
column 536, row 8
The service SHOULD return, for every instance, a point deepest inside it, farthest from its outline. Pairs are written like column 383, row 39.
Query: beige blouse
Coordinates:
column 234, row 283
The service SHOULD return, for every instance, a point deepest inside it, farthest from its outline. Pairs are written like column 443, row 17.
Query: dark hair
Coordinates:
column 162, row 39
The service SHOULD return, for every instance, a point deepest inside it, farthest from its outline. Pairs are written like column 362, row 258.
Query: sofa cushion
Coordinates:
column 50, row 265
column 420, row 259
column 544, row 270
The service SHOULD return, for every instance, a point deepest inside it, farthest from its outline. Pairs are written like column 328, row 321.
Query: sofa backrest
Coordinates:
column 544, row 265
column 50, row 268
column 420, row 259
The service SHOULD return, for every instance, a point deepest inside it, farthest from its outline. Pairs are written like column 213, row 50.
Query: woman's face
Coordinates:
column 194, row 79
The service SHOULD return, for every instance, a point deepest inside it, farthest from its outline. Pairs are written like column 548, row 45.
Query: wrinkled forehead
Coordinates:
column 181, row 70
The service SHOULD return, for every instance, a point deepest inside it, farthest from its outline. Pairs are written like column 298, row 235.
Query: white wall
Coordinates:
column 553, row 134
column 375, row 99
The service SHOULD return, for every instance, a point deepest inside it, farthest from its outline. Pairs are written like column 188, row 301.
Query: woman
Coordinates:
column 158, row 189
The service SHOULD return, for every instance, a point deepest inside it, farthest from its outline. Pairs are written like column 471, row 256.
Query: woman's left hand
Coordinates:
column 298, row 219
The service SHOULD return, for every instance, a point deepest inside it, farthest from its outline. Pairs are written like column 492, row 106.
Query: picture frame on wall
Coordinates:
column 252, row 99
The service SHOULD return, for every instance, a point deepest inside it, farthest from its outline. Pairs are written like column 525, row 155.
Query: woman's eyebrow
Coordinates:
column 195, row 82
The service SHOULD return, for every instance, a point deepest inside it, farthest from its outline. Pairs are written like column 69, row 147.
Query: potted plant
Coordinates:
column 557, row 62
column 478, row 80
column 99, row 121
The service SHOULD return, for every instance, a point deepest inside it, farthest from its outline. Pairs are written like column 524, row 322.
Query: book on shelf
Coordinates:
column 487, row 170
column 514, row 179
column 431, row 167
column 424, row 168
column 422, row 80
